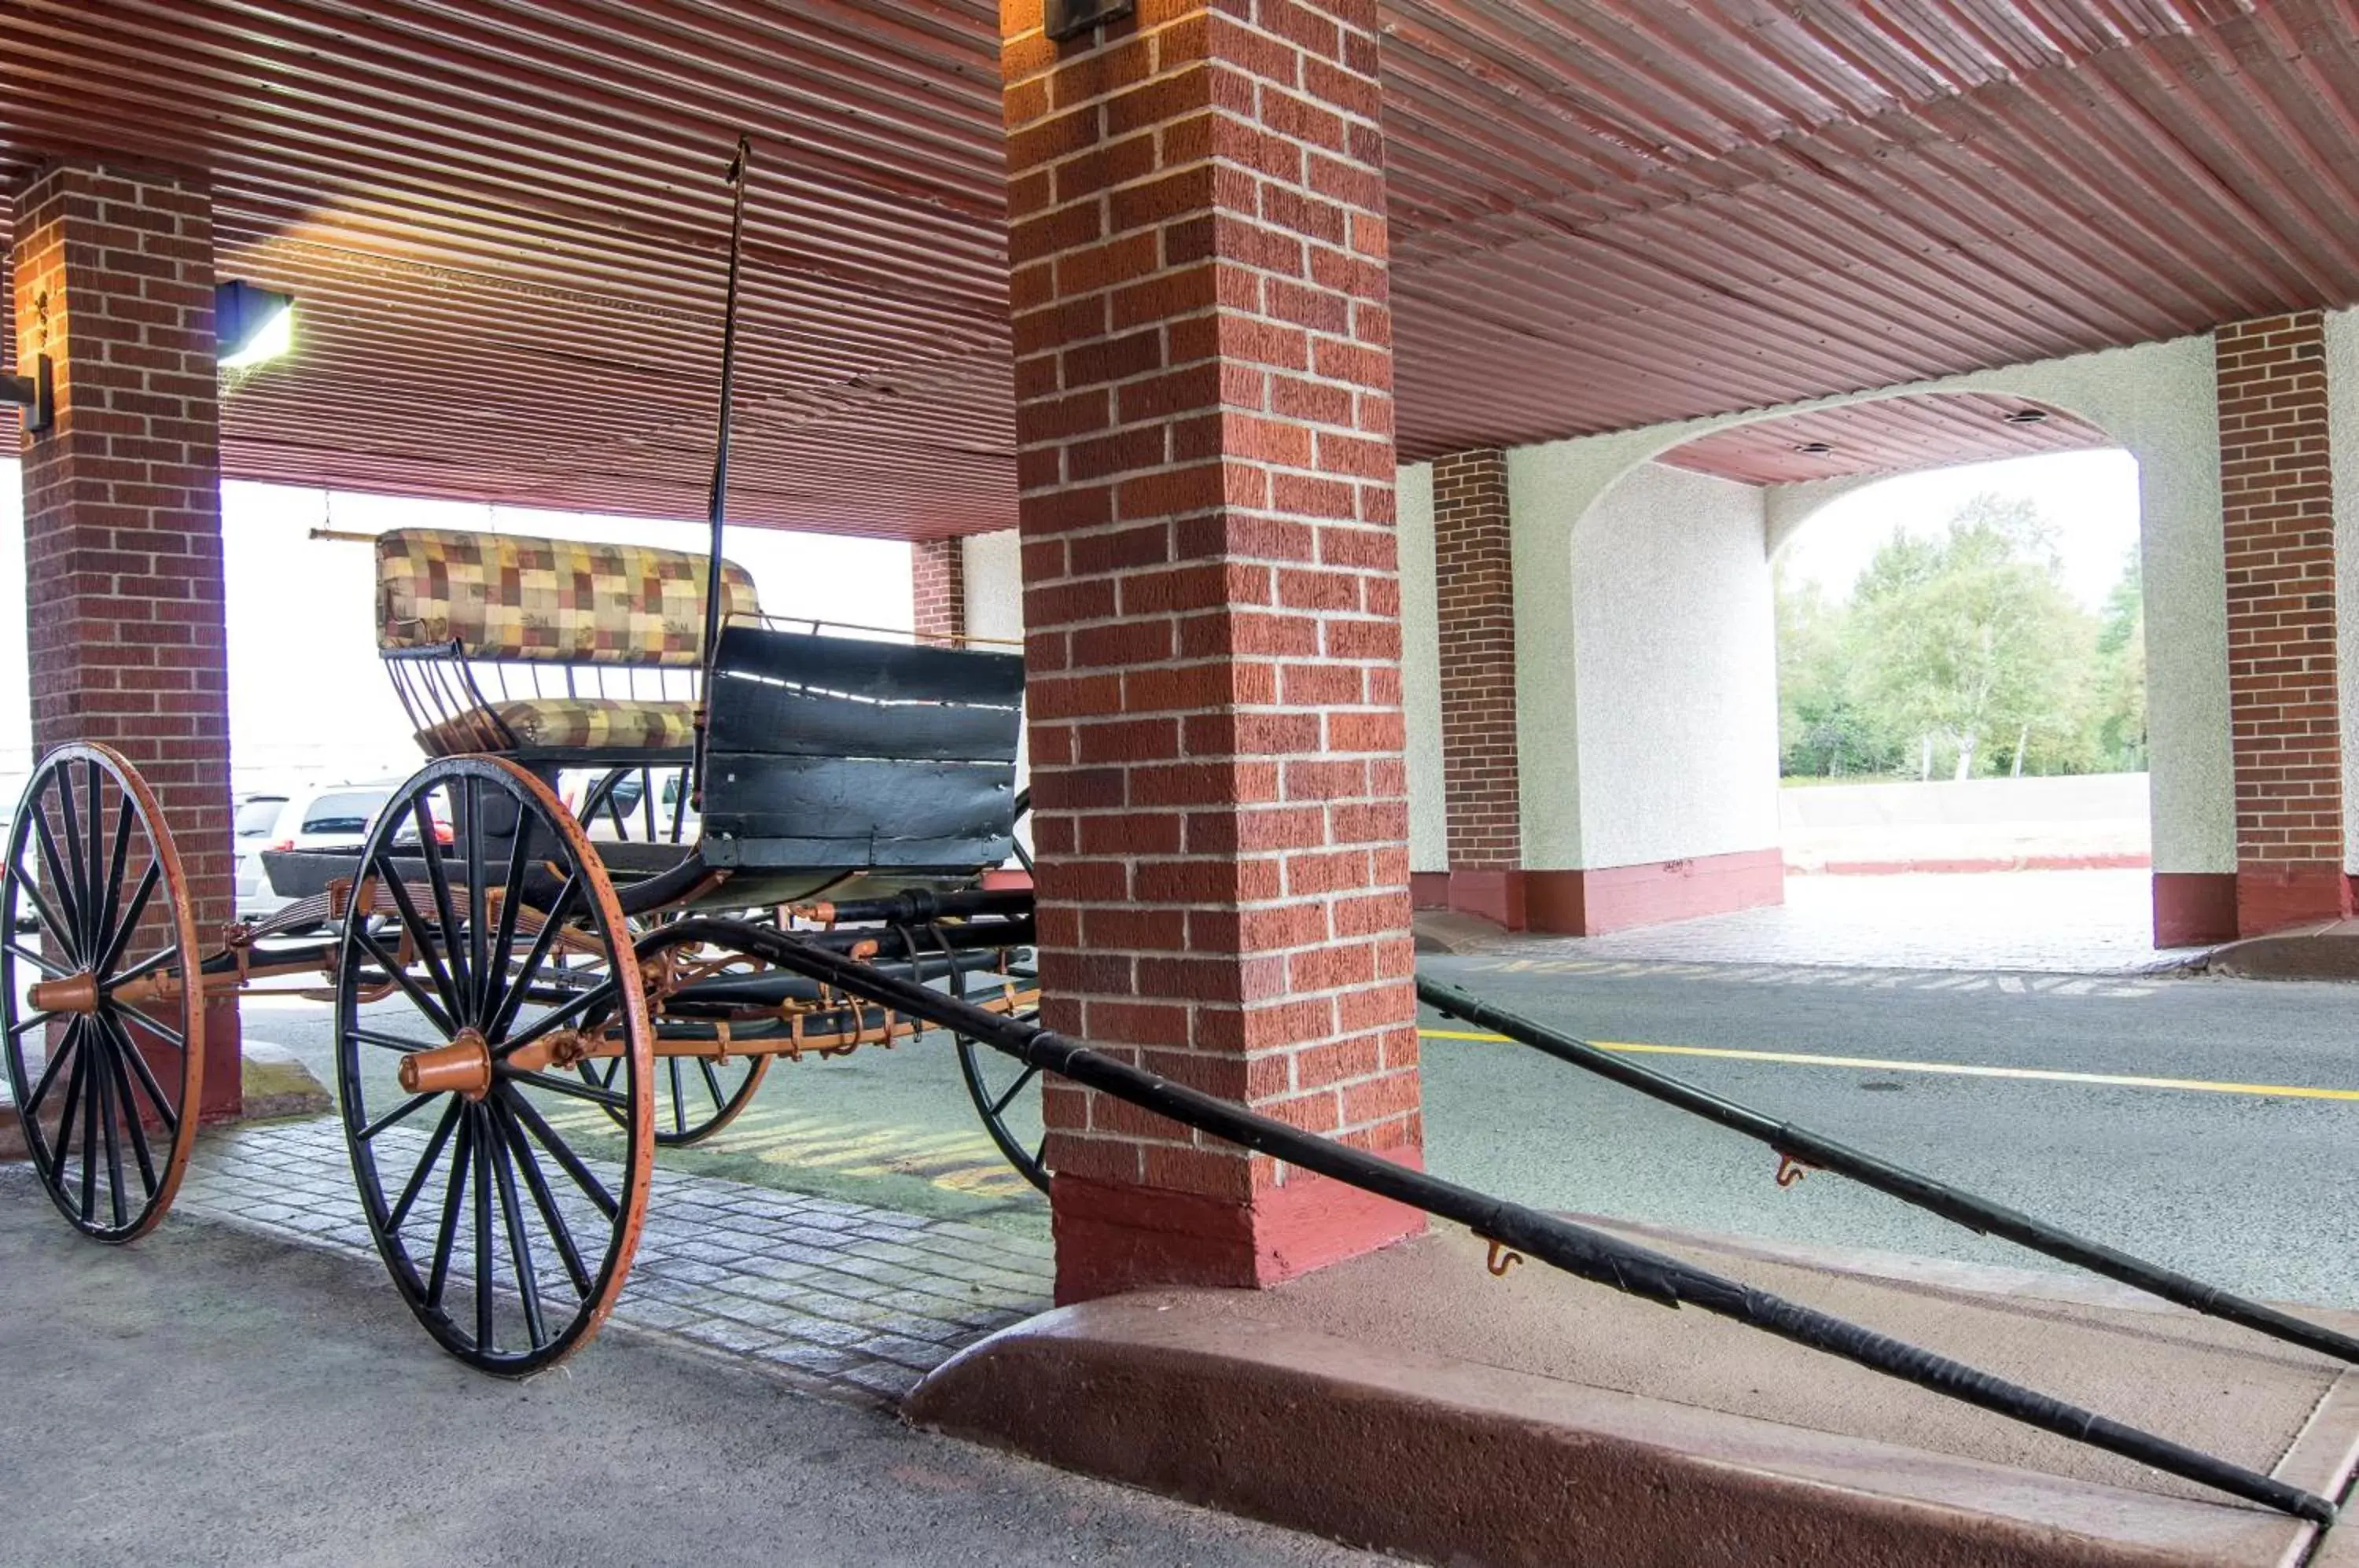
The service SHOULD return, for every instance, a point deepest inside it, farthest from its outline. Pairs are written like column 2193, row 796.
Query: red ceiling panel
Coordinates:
column 1888, row 435
column 505, row 221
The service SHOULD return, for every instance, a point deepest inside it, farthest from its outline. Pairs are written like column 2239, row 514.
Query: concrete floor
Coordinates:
column 212, row 1397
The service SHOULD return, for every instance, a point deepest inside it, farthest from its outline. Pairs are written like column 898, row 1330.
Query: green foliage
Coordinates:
column 1964, row 652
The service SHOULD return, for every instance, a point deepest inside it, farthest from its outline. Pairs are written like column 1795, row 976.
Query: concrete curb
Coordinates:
column 1453, row 1462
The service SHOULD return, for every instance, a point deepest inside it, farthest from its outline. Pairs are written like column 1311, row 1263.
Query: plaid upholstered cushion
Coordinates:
column 571, row 724
column 508, row 598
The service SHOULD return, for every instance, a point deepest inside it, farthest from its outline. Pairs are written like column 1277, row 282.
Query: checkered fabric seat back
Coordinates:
column 546, row 601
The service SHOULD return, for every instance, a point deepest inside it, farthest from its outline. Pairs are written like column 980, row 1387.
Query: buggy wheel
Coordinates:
column 105, row 1030
column 459, row 1102
column 695, row 1096
column 1006, row 1095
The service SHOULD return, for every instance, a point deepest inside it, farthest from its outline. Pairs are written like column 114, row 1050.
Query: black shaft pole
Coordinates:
column 1577, row 1249
column 741, row 171
column 1955, row 1204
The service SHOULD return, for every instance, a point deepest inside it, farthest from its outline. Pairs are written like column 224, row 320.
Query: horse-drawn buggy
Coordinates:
column 503, row 961
column 531, row 995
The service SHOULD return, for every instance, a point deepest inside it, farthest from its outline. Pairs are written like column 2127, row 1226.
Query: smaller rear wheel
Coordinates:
column 104, row 1024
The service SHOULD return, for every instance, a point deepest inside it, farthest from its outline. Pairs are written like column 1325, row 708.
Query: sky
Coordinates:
column 308, row 698
column 2091, row 496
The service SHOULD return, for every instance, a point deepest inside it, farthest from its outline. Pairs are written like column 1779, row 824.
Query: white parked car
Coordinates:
column 324, row 816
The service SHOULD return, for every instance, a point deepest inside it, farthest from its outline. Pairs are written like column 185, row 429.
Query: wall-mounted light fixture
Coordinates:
column 1815, row 449
column 1062, row 19
column 36, row 393
column 2028, row 417
column 252, row 326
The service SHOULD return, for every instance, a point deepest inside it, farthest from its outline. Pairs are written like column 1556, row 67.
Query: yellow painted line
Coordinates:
column 1949, row 1069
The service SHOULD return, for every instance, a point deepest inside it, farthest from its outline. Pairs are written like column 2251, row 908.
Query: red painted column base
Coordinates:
column 2273, row 894
column 2194, row 909
column 1112, row 1238
column 222, row 1097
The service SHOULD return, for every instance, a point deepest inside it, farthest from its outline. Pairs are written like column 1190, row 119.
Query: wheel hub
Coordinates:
column 462, row 1067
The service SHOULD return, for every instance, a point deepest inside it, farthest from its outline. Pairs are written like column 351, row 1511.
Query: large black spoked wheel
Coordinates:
column 462, row 1104
column 104, row 1018
column 1007, row 1093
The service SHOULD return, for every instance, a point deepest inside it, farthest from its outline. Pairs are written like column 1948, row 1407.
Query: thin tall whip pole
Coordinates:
column 741, row 169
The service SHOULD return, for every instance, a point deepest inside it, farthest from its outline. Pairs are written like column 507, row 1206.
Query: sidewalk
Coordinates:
column 217, row 1395
column 2060, row 922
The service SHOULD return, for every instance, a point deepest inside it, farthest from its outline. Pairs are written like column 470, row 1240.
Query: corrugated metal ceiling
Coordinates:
column 504, row 216
column 1887, row 435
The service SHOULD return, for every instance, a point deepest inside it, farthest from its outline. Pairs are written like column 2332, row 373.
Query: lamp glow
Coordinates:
column 253, row 325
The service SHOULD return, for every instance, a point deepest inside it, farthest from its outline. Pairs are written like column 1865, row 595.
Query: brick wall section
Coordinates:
column 113, row 279
column 1203, row 378
column 937, row 589
column 1474, row 582
column 2278, row 500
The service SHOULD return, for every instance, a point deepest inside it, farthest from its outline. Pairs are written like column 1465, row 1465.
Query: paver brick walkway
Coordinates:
column 859, row 1301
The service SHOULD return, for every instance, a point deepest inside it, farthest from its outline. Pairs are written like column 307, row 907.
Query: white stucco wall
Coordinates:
column 2158, row 400
column 1429, row 827
column 2342, row 450
column 1674, row 633
column 995, row 587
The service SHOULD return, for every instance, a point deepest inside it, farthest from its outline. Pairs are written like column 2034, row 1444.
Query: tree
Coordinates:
column 1965, row 644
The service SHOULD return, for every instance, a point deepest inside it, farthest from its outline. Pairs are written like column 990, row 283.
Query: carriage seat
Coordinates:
column 547, row 648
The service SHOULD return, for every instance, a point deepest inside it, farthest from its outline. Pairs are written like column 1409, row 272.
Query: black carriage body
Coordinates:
column 828, row 755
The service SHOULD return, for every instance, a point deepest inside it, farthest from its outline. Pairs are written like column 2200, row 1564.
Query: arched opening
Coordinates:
column 1961, row 736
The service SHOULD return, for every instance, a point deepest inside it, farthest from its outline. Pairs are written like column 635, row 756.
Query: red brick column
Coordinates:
column 113, row 279
column 2278, row 521
column 938, row 588
column 1203, row 378
column 1482, row 777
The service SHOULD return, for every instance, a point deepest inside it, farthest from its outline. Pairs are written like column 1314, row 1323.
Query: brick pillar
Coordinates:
column 1203, row 376
column 2278, row 522
column 113, row 279
column 1482, row 780
column 938, row 587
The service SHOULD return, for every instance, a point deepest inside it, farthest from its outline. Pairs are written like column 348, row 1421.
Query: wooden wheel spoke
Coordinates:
column 421, row 937
column 562, row 1151
column 400, row 976
column 103, row 938
column 77, row 864
column 105, row 1102
column 162, row 1032
column 454, row 1194
column 558, row 1017
column 30, row 1021
column 999, row 1106
column 399, row 1113
column 497, row 989
column 537, row 954
column 90, row 1094
column 58, row 880
column 74, row 1104
column 96, row 856
column 41, row 1091
column 478, row 921
column 590, row 1092
column 712, row 1085
column 561, row 1235
column 678, row 1097
column 438, row 877
column 131, row 1054
column 417, row 1182
column 36, row 960
column 146, row 965
column 131, row 1119
column 43, row 913
column 486, row 1325
column 128, row 925
column 388, row 1042
column 520, row 1240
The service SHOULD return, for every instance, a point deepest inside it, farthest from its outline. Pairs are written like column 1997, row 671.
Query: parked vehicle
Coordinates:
column 326, row 816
